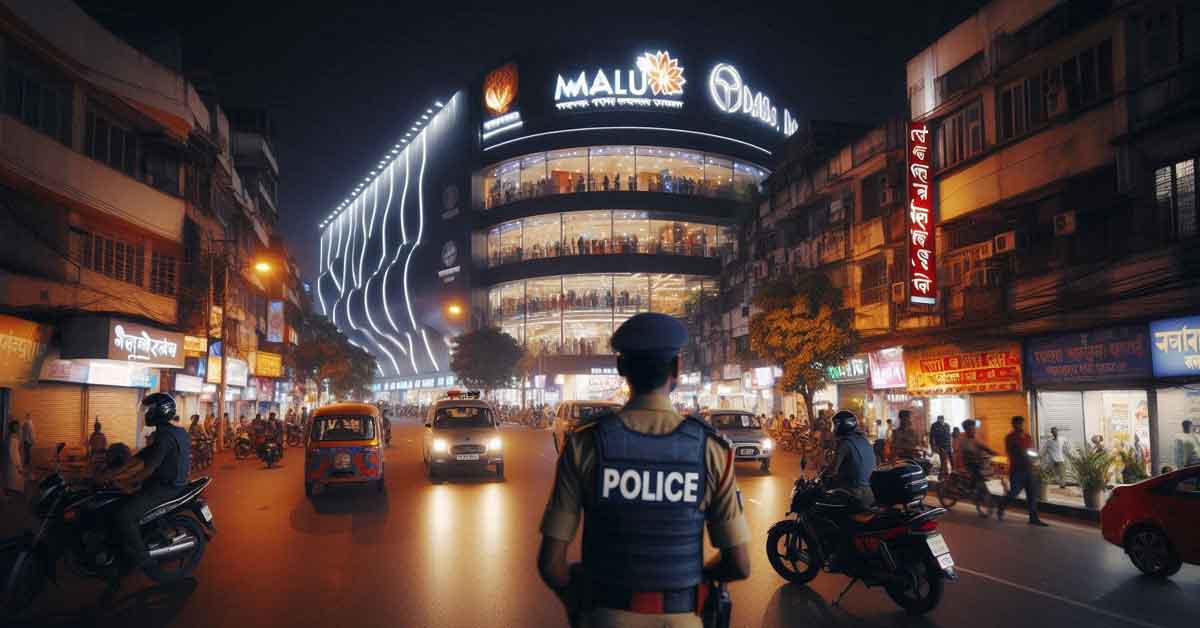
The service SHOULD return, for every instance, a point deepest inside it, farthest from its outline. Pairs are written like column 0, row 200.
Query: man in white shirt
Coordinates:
column 1187, row 446
column 1052, row 453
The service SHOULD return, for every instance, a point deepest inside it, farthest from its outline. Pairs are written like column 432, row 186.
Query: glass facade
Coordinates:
column 619, row 169
column 576, row 314
column 603, row 232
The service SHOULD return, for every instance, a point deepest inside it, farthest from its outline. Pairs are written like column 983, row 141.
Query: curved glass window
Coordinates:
column 602, row 232
column 576, row 314
column 618, row 169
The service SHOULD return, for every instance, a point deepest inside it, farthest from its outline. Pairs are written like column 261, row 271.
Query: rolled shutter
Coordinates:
column 996, row 411
column 118, row 412
column 57, row 412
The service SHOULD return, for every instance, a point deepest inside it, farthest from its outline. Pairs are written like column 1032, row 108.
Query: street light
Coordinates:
column 262, row 267
column 455, row 310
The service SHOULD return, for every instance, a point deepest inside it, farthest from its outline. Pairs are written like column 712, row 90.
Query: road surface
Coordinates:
column 462, row 553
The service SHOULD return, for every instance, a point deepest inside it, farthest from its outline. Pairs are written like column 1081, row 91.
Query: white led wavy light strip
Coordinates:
column 343, row 245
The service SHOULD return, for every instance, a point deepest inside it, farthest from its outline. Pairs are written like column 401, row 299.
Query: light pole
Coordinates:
column 260, row 267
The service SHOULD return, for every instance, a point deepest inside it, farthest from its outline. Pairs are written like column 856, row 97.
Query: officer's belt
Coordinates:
column 651, row 602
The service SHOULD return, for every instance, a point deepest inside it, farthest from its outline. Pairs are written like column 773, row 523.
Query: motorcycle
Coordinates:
column 295, row 435
column 270, row 452
column 74, row 528
column 896, row 545
column 202, row 454
column 243, row 447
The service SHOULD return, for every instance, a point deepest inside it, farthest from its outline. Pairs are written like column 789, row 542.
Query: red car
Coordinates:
column 1157, row 521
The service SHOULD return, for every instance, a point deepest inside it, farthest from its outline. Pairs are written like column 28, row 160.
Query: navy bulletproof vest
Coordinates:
column 643, row 528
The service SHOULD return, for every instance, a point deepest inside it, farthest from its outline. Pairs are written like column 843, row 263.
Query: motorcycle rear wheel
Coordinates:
column 924, row 585
column 176, row 567
column 790, row 554
column 947, row 494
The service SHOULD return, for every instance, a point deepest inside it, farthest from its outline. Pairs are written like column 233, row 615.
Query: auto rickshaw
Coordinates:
column 344, row 445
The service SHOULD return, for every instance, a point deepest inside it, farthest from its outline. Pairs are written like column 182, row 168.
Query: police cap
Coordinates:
column 650, row 333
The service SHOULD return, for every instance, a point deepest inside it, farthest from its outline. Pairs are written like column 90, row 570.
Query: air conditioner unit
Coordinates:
column 898, row 292
column 1064, row 224
column 1004, row 242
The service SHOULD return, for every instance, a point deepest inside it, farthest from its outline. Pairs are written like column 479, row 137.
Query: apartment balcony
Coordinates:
column 85, row 290
column 253, row 150
column 81, row 182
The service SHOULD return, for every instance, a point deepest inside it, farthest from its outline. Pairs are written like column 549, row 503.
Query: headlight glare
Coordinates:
column 494, row 444
column 440, row 446
column 768, row 444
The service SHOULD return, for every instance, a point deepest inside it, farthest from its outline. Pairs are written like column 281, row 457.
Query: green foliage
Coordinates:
column 1090, row 466
column 327, row 356
column 802, row 327
column 488, row 358
column 1132, row 469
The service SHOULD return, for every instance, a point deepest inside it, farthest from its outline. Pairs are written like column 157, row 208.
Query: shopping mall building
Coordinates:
column 567, row 193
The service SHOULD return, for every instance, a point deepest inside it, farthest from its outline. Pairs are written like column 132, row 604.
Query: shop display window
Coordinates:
column 619, row 169
column 1176, row 448
column 544, row 318
column 587, row 233
column 631, row 232
column 511, row 242
column 543, row 236
column 604, row 232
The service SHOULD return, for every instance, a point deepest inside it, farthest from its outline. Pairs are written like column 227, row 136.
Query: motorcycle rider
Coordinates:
column 643, row 546
column 195, row 430
column 164, row 471
column 854, row 459
column 976, row 456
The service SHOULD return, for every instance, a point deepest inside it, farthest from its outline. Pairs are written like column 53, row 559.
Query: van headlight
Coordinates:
column 767, row 444
column 440, row 446
column 494, row 444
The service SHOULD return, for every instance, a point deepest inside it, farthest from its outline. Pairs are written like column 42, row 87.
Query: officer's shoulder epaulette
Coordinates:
column 712, row 432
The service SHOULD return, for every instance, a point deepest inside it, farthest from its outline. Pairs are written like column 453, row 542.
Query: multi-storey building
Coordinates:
column 118, row 199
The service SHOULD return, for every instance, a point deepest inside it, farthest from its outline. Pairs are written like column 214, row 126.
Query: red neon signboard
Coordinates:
column 922, row 268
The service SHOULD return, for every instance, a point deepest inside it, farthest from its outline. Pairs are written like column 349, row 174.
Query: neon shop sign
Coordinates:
column 656, row 81
column 733, row 96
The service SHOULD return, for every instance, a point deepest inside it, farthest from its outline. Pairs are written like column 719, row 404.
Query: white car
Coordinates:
column 462, row 433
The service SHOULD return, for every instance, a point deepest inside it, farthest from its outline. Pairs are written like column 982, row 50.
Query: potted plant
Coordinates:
column 1045, row 477
column 1091, row 467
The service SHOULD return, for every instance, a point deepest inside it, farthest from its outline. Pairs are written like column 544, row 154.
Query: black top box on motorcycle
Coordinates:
column 898, row 484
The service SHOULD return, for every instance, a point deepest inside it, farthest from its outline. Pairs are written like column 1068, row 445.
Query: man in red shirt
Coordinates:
column 1017, row 446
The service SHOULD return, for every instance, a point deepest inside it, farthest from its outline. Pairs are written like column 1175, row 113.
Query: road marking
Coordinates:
column 1064, row 600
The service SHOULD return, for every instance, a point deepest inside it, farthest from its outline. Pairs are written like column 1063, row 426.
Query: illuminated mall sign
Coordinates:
column 733, row 96
column 656, row 81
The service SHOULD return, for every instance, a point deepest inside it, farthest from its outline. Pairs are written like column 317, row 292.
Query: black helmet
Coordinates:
column 159, row 409
column 845, row 423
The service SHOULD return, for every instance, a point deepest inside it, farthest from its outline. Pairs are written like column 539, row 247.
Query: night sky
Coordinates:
column 342, row 81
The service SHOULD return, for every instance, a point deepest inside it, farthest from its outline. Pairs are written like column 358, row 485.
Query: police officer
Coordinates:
column 854, row 460
column 164, row 471
column 647, row 481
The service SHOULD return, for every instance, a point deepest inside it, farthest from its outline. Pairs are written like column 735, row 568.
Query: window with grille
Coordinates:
column 107, row 141
column 959, row 136
column 162, row 274
column 32, row 96
column 874, row 287
column 1175, row 195
column 109, row 256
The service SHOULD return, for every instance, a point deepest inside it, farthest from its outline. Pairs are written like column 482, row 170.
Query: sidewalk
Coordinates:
column 1058, row 501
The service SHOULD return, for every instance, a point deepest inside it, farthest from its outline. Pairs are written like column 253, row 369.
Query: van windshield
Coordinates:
column 735, row 422
column 583, row 411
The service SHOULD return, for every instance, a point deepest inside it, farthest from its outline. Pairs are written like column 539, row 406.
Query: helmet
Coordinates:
column 117, row 456
column 159, row 408
column 845, row 423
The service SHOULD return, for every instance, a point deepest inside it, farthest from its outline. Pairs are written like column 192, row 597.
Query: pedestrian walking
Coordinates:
column 1017, row 445
column 939, row 439
column 27, row 439
column 14, row 468
column 643, row 543
column 97, row 445
column 1052, row 454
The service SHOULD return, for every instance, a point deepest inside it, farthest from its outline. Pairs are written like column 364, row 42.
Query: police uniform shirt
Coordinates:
column 649, row 414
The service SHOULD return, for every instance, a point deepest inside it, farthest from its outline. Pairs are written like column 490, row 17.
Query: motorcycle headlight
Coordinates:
column 494, row 444
column 767, row 444
column 440, row 446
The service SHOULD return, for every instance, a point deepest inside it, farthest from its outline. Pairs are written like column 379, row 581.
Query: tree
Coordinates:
column 328, row 356
column 486, row 358
column 802, row 326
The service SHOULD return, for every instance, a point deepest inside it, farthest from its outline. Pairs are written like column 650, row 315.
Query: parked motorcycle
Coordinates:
column 895, row 545
column 270, row 452
column 74, row 528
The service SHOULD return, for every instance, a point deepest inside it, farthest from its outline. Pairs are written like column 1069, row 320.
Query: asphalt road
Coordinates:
column 462, row 553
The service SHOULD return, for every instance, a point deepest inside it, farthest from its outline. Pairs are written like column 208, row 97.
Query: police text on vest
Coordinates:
column 652, row 486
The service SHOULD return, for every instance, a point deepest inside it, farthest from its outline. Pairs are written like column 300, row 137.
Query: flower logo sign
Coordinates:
column 500, row 89
column 663, row 73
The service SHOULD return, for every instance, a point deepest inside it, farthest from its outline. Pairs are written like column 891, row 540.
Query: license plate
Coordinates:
column 937, row 545
column 745, row 451
column 206, row 513
column 467, row 457
column 945, row 562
